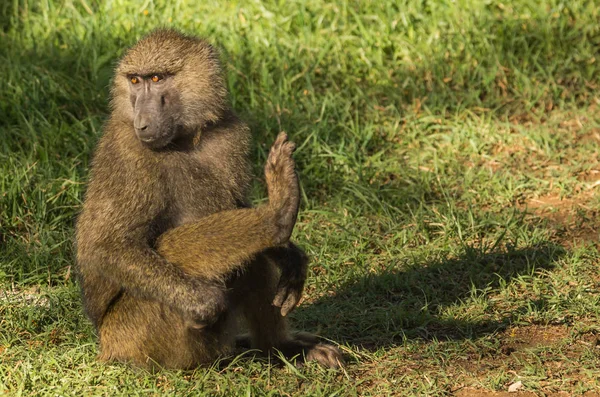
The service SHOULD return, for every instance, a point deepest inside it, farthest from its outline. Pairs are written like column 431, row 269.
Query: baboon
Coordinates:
column 170, row 254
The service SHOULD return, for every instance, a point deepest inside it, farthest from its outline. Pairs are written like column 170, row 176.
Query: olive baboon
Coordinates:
column 170, row 255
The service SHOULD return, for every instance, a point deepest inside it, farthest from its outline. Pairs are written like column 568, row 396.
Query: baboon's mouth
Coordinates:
column 157, row 142
column 160, row 137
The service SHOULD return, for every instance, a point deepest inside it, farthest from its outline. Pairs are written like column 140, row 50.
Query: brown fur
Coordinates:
column 169, row 255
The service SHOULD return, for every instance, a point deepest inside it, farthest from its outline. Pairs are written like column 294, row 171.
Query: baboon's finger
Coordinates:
column 280, row 296
column 281, row 138
column 290, row 303
column 287, row 298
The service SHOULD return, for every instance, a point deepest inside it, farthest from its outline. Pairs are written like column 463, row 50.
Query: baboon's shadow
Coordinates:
column 381, row 310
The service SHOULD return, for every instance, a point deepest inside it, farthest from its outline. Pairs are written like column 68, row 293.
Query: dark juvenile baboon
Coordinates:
column 170, row 255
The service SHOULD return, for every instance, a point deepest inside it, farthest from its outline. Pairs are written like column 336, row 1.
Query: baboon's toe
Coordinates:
column 282, row 183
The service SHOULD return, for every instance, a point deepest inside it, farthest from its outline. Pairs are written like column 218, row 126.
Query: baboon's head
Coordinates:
column 168, row 85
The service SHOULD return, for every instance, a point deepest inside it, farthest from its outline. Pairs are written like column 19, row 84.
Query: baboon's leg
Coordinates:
column 150, row 334
column 268, row 328
column 215, row 246
column 218, row 244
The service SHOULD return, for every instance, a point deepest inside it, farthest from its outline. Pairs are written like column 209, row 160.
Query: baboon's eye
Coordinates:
column 134, row 80
column 156, row 78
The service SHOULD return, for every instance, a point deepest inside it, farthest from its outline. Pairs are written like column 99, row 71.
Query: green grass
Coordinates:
column 448, row 152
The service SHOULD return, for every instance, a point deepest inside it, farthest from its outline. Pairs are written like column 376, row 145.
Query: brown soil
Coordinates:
column 534, row 336
column 573, row 220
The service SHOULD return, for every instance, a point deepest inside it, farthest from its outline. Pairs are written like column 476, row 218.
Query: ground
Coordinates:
column 448, row 156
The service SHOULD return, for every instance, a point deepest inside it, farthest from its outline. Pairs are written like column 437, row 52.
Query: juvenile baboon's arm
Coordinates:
column 191, row 259
column 186, row 270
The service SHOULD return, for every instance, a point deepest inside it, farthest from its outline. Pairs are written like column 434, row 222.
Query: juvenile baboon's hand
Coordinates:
column 282, row 184
column 289, row 289
column 293, row 263
column 209, row 303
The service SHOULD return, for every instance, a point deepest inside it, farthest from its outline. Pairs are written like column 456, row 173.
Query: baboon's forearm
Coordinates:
column 220, row 243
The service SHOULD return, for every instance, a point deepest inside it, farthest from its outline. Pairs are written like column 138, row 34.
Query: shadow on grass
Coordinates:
column 382, row 310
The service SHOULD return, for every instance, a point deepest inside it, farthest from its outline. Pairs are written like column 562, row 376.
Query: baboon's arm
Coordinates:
column 140, row 271
column 216, row 245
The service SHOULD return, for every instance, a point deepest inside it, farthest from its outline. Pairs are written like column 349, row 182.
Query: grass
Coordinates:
column 448, row 153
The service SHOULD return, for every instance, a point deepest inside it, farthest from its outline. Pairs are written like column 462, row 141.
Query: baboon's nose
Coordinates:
column 142, row 128
column 140, row 123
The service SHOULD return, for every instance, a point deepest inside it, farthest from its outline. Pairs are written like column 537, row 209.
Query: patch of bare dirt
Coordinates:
column 591, row 176
column 577, row 130
column 520, row 345
column 574, row 220
column 518, row 338
column 578, row 154
column 515, row 343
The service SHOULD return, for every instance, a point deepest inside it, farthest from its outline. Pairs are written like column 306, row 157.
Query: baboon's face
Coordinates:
column 155, row 102
column 168, row 86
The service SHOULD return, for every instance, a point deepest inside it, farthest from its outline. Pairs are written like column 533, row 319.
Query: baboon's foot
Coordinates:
column 327, row 355
column 301, row 347
column 282, row 184
column 308, row 348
